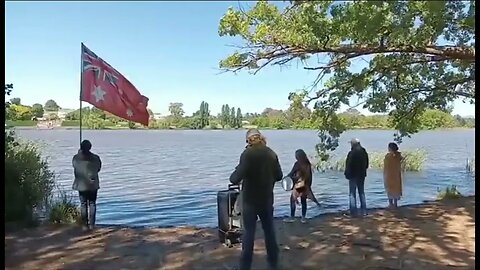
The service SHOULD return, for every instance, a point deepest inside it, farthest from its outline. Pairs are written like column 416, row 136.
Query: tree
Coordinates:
column 231, row 118
column 51, row 106
column 15, row 101
column 417, row 55
column 225, row 116
column 204, row 115
column 37, row 110
column 176, row 110
column 239, row 118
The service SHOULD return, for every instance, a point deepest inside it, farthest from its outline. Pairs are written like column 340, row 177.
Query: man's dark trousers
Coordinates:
column 250, row 214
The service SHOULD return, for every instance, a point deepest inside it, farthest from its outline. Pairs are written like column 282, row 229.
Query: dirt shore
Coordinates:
column 431, row 236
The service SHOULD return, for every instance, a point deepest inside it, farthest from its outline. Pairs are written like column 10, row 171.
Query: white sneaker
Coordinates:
column 303, row 220
column 289, row 220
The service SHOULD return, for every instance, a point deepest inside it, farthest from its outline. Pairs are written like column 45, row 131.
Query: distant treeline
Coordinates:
column 295, row 117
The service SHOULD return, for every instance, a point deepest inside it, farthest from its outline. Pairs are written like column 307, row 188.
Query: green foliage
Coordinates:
column 131, row 125
column 37, row 110
column 15, row 101
column 238, row 118
column 51, row 106
column 449, row 193
column 432, row 119
column 413, row 161
column 176, row 109
column 417, row 55
column 202, row 116
column 28, row 179
column 63, row 210
column 225, row 115
column 93, row 121
column 19, row 112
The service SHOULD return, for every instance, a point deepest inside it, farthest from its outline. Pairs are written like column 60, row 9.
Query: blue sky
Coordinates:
column 168, row 50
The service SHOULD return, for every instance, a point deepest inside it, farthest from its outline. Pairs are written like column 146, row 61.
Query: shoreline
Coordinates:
column 218, row 129
column 424, row 203
column 427, row 236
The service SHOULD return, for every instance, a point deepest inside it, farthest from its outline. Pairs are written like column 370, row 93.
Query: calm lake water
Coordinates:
column 170, row 178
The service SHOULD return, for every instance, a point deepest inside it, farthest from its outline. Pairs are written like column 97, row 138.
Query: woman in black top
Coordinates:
column 301, row 175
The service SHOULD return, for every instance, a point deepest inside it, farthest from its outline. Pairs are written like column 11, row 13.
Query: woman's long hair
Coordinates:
column 305, row 165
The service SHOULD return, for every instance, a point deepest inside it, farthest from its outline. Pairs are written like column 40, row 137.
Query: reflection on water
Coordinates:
column 168, row 178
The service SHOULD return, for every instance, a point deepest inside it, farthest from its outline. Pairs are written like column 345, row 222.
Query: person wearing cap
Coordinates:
column 258, row 170
column 356, row 167
column 86, row 166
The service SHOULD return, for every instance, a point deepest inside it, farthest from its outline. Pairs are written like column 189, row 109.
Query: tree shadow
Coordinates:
column 438, row 235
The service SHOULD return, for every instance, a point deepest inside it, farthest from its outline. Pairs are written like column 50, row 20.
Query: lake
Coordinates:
column 171, row 177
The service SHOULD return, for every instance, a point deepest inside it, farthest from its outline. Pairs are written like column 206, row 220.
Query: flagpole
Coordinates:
column 81, row 84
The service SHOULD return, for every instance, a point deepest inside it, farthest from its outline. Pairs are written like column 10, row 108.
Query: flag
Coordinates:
column 105, row 88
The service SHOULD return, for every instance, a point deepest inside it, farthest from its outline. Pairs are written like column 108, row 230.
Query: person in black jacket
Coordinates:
column 258, row 171
column 356, row 167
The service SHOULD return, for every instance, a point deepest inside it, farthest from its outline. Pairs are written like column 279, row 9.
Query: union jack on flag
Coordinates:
column 105, row 88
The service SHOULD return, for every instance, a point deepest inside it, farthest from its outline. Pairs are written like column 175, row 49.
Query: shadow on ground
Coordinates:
column 434, row 236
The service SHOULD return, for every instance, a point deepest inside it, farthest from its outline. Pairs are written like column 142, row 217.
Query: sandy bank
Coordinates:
column 434, row 236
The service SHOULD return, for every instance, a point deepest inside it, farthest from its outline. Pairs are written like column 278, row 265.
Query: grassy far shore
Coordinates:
column 436, row 235
column 123, row 126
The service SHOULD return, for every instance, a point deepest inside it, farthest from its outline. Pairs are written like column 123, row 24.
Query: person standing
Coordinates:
column 301, row 175
column 258, row 170
column 86, row 166
column 356, row 167
column 392, row 175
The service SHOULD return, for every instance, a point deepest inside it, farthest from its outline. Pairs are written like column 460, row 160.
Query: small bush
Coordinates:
column 28, row 179
column 412, row 161
column 63, row 210
column 449, row 193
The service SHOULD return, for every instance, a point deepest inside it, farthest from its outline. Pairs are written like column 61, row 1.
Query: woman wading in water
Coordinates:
column 301, row 175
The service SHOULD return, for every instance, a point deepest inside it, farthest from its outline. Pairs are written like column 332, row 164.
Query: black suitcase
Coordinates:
column 229, row 225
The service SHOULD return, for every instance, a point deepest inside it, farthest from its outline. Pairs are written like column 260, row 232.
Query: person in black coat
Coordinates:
column 356, row 167
column 258, row 171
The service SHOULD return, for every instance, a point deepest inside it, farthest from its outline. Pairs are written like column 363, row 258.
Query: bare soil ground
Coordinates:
column 432, row 236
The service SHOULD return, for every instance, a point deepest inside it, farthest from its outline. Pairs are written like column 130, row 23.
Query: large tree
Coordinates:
column 51, row 106
column 37, row 110
column 400, row 57
column 176, row 109
column 16, row 101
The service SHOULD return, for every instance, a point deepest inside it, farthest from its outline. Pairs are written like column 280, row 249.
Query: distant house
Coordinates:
column 61, row 113
column 158, row 116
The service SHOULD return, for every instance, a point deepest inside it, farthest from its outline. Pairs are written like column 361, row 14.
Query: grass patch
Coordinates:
column 413, row 161
column 449, row 193
column 25, row 123
column 71, row 123
column 63, row 210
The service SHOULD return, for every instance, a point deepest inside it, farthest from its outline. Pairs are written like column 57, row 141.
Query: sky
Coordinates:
column 168, row 50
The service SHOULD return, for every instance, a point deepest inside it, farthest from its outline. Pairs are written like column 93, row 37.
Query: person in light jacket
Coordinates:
column 86, row 166
column 392, row 175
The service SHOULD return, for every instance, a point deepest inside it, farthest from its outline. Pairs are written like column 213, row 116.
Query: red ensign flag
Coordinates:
column 105, row 88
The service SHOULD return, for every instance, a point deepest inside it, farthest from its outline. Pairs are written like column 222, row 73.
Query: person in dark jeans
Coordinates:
column 356, row 167
column 258, row 171
column 86, row 166
column 301, row 171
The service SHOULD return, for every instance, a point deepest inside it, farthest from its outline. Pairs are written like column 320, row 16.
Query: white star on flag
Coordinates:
column 98, row 93
column 129, row 113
